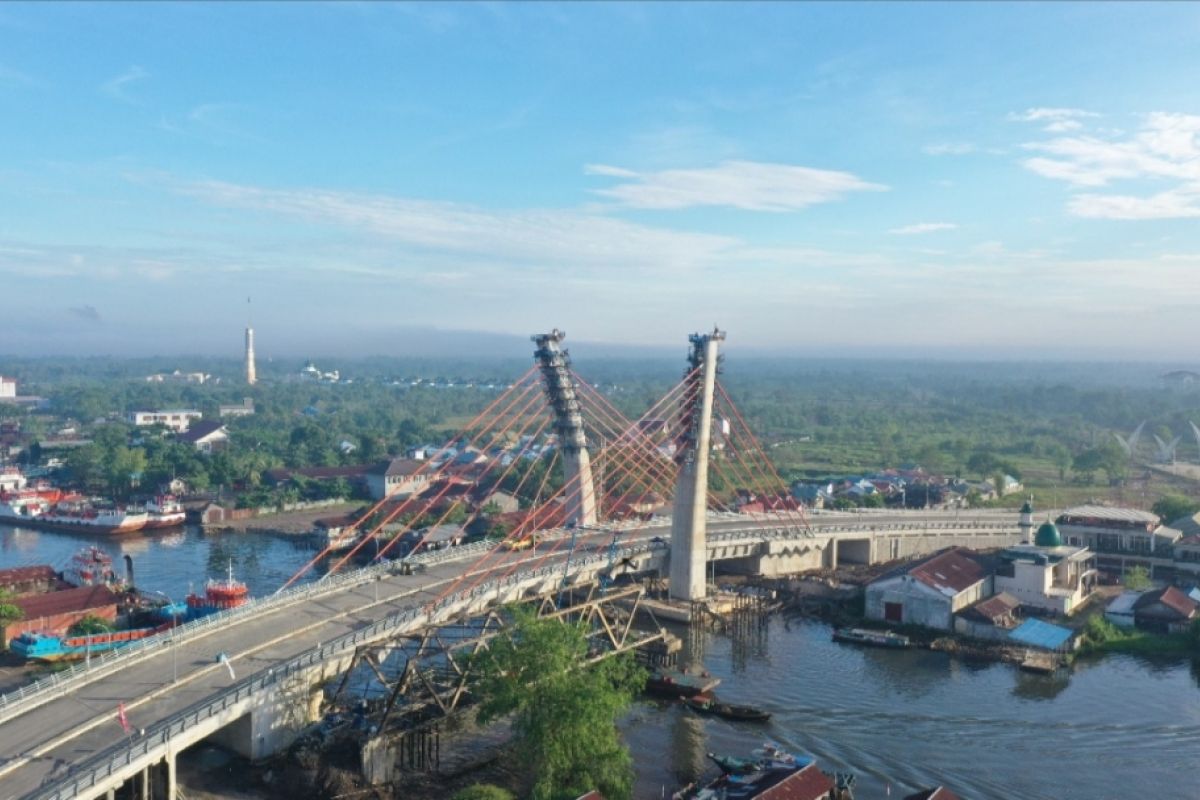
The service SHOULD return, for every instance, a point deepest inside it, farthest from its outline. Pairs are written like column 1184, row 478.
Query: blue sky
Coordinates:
column 943, row 179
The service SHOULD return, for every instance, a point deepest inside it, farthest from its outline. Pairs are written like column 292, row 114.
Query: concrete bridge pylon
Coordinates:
column 579, row 492
column 689, row 530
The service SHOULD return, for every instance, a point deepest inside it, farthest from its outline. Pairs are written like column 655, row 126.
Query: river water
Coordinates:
column 1117, row 727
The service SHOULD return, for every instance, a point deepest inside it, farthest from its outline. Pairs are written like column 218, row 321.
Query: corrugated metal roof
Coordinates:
column 1036, row 633
column 994, row 607
column 805, row 784
column 78, row 599
column 937, row 793
column 1112, row 514
column 39, row 572
column 951, row 570
column 1123, row 604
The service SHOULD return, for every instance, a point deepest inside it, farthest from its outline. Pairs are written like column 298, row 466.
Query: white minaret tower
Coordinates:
column 251, row 376
column 1025, row 520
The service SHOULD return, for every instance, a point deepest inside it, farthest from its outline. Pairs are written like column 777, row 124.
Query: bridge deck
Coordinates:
column 40, row 746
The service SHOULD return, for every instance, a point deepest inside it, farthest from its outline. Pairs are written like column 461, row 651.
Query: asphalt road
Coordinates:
column 41, row 744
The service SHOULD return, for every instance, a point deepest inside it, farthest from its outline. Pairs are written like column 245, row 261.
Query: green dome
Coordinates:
column 1027, row 508
column 1048, row 535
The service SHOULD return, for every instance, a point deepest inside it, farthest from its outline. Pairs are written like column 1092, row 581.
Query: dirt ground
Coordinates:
column 288, row 523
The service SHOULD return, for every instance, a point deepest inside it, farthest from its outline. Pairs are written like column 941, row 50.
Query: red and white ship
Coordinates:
column 218, row 596
column 91, row 566
column 164, row 511
column 30, row 508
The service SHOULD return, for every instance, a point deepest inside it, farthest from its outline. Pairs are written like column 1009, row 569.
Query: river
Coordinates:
column 1117, row 727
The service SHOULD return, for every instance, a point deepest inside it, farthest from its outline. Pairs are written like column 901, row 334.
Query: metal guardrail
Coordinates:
column 95, row 771
column 32, row 695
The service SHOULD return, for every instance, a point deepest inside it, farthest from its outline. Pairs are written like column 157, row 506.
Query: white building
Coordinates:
column 243, row 409
column 930, row 592
column 1047, row 574
column 8, row 387
column 1115, row 530
column 396, row 477
column 178, row 420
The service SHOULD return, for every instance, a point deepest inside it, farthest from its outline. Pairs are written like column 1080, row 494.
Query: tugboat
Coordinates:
column 219, row 595
column 871, row 638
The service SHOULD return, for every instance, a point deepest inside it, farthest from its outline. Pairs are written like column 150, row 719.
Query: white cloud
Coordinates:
column 530, row 237
column 1063, row 126
column 1179, row 204
column 117, row 88
column 748, row 185
column 1166, row 147
column 923, row 227
column 1050, row 114
column 949, row 149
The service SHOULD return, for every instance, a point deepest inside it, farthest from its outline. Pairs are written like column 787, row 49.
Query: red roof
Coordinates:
column 40, row 572
column 952, row 569
column 937, row 793
column 82, row 598
column 805, row 784
column 1172, row 598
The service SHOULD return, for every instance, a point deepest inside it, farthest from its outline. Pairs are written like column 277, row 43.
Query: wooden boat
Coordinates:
column 707, row 704
column 871, row 638
column 680, row 683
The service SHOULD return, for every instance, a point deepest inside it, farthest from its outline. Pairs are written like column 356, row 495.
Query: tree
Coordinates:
column 1137, row 579
column 9, row 611
column 1173, row 506
column 564, row 713
column 89, row 625
column 981, row 463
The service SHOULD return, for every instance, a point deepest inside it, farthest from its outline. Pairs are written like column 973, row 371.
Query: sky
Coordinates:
column 960, row 180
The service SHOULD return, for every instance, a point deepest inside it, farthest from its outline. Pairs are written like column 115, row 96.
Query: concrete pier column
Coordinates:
column 689, row 523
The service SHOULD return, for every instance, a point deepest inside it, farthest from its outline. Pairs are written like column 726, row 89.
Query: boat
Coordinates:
column 48, row 647
column 219, row 595
column 769, row 756
column 872, row 638
column 709, row 704
column 772, row 772
column 91, row 566
column 680, row 683
column 164, row 511
column 30, row 508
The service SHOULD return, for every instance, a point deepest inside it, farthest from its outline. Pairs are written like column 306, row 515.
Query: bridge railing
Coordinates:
column 97, row 771
column 31, row 695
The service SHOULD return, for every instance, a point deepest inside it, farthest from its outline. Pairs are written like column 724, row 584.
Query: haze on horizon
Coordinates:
column 969, row 181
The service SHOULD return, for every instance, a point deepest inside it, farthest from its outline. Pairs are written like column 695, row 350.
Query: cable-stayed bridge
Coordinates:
column 588, row 474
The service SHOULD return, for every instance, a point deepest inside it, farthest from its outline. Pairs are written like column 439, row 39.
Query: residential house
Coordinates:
column 931, row 591
column 1120, row 611
column 396, row 477
column 1168, row 610
column 990, row 618
column 1047, row 575
column 207, row 436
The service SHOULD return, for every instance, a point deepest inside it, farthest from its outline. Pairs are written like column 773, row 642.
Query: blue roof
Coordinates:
column 1036, row 633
